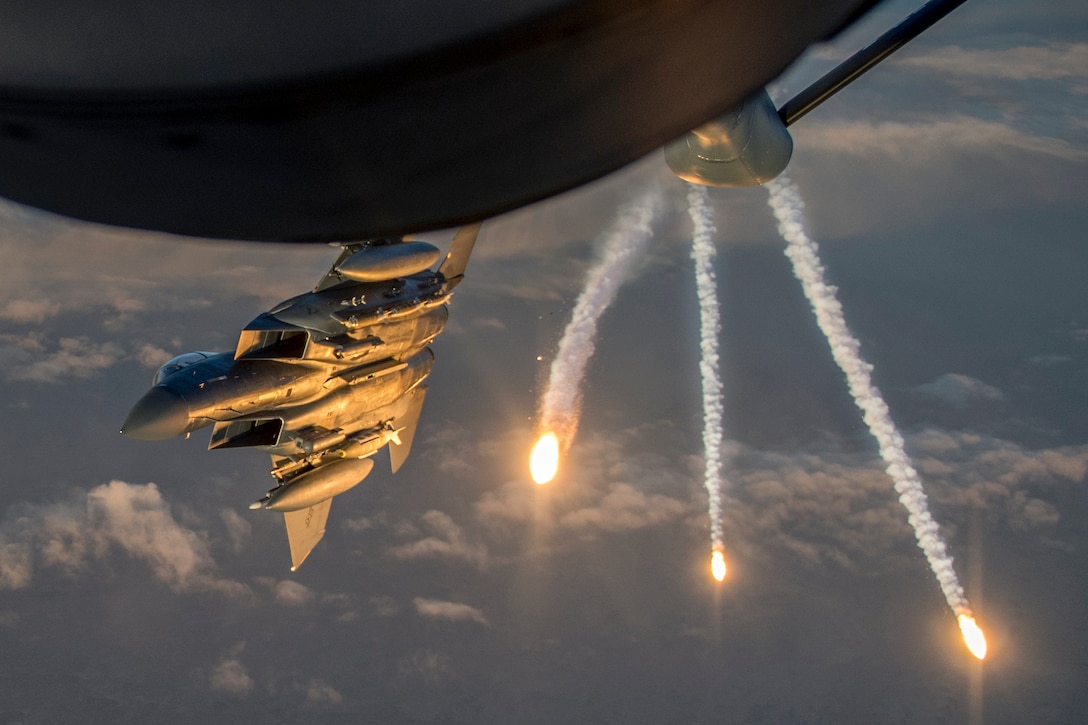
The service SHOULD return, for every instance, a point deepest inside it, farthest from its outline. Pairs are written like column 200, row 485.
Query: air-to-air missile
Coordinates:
column 322, row 381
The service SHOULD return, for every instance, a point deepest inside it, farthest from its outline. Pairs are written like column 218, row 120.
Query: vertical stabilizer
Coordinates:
column 304, row 529
column 407, row 429
column 453, row 268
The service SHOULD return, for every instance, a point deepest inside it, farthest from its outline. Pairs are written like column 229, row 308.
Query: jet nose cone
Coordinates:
column 159, row 415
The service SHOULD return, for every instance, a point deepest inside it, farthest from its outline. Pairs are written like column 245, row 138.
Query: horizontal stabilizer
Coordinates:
column 406, row 428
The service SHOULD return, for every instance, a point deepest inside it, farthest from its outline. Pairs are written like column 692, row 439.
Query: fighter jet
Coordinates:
column 322, row 381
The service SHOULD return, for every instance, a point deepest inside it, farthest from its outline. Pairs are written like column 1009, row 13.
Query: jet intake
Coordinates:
column 246, row 433
column 747, row 147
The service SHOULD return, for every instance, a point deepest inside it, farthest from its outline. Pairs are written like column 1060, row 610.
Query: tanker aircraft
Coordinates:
column 275, row 120
column 322, row 381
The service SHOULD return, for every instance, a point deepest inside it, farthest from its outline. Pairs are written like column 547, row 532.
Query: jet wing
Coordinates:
column 304, row 529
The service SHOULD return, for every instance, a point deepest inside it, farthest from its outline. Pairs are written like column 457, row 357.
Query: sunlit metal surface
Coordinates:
column 323, row 381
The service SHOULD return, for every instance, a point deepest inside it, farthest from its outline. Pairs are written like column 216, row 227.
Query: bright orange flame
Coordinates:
column 972, row 636
column 544, row 460
column 717, row 565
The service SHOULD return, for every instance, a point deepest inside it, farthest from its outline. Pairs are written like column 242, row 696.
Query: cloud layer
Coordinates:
column 78, row 536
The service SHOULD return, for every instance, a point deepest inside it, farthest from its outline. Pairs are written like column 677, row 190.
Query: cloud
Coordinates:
column 1056, row 60
column 152, row 356
column 510, row 505
column 923, row 143
column 1028, row 513
column 841, row 508
column 27, row 358
column 72, row 536
column 319, row 692
column 16, row 565
column 230, row 676
column 823, row 511
column 384, row 606
column 424, row 664
column 926, row 165
column 623, row 508
column 835, row 507
column 489, row 323
column 29, row 311
column 238, row 529
column 446, row 540
column 607, row 485
column 959, row 390
column 1049, row 360
column 365, row 523
column 293, row 594
column 452, row 611
column 130, row 272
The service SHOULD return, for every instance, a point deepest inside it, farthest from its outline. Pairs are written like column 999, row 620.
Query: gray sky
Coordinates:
column 947, row 192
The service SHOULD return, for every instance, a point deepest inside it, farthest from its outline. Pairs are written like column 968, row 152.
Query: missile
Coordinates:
column 369, row 445
column 354, row 448
column 389, row 261
column 313, row 487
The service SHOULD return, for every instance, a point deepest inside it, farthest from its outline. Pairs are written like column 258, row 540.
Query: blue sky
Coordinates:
column 947, row 192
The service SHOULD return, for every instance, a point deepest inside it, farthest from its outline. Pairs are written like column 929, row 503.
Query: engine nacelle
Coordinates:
column 748, row 146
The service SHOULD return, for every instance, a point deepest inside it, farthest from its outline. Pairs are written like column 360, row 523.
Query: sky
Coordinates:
column 947, row 190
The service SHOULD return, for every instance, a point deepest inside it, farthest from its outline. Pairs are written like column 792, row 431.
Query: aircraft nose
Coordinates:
column 159, row 415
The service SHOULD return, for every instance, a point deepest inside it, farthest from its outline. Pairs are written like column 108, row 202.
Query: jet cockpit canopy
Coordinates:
column 178, row 364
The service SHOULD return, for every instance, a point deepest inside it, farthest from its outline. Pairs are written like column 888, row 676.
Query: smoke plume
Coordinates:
column 623, row 247
column 803, row 253
column 703, row 253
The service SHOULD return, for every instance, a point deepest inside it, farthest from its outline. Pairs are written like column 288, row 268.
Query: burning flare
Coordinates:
column 544, row 460
column 717, row 565
column 972, row 636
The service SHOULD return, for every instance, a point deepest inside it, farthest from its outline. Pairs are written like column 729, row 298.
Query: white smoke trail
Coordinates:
column 803, row 252
column 703, row 252
column 624, row 246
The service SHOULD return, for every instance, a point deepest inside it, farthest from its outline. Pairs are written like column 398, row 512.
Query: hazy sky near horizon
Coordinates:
column 948, row 191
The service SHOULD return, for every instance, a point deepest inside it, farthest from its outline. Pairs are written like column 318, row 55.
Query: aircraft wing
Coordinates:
column 304, row 529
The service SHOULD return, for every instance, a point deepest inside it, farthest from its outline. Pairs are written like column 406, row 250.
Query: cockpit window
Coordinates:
column 179, row 363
